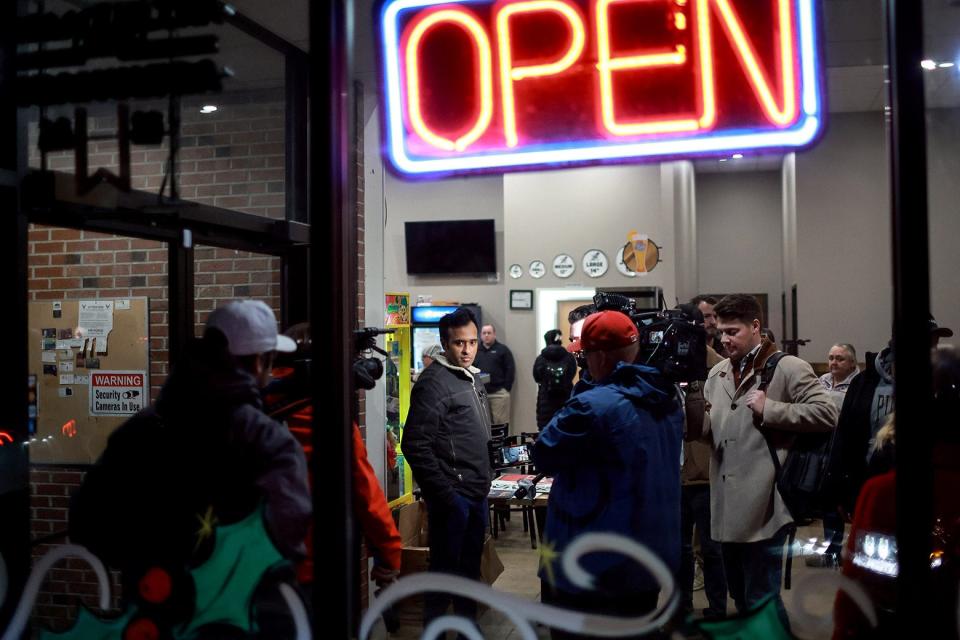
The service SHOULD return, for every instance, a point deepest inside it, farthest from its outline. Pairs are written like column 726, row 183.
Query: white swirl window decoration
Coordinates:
column 524, row 614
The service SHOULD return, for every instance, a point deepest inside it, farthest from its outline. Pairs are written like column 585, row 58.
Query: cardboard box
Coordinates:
column 412, row 524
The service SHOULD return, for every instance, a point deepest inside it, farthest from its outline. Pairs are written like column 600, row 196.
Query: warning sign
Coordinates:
column 117, row 393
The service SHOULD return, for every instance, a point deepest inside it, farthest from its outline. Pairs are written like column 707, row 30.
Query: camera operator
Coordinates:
column 288, row 399
column 614, row 453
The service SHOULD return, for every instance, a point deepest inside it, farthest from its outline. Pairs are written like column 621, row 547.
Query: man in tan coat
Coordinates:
column 748, row 516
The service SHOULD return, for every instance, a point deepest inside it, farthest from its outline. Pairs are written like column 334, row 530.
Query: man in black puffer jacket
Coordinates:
column 445, row 442
column 554, row 371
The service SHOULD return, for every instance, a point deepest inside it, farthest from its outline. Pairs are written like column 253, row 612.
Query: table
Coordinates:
column 501, row 494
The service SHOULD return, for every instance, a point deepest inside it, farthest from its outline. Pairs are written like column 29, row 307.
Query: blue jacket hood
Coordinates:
column 638, row 382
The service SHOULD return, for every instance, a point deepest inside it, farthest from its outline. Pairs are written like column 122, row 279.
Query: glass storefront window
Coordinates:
column 98, row 353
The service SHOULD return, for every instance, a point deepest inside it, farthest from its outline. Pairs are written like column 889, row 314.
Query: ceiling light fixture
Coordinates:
column 928, row 64
column 945, row 65
column 724, row 159
column 208, row 108
column 737, row 156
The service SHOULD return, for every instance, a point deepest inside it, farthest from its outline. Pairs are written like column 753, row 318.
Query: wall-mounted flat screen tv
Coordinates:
column 451, row 246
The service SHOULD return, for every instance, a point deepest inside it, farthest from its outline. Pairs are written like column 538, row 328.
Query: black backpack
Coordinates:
column 802, row 478
column 554, row 383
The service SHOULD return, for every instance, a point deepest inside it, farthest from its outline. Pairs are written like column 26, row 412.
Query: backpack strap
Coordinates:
column 788, row 570
column 769, row 367
column 766, row 375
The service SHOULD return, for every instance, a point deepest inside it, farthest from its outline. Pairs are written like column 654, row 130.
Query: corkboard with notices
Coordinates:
column 89, row 372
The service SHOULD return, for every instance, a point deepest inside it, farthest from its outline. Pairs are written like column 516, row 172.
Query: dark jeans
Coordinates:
column 833, row 533
column 695, row 511
column 755, row 569
column 456, row 546
column 626, row 606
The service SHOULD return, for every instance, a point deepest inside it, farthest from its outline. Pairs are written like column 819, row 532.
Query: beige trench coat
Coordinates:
column 745, row 505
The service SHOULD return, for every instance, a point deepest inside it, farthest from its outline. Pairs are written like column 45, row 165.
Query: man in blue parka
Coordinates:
column 614, row 453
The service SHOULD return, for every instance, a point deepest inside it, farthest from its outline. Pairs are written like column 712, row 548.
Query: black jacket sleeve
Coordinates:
column 419, row 433
column 848, row 463
column 538, row 369
column 509, row 369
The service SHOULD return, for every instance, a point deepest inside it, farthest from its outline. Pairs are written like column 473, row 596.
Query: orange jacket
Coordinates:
column 369, row 503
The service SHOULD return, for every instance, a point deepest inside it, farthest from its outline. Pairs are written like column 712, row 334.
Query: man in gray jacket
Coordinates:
column 445, row 441
column 748, row 515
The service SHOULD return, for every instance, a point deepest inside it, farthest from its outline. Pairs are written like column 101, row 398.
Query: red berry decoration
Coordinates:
column 141, row 629
column 155, row 585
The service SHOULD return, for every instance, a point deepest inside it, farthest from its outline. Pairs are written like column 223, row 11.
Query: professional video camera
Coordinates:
column 671, row 340
column 367, row 370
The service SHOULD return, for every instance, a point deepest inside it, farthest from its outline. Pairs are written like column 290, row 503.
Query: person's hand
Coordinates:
column 383, row 576
column 756, row 400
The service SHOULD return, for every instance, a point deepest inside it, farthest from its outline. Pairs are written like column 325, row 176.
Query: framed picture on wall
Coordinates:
column 521, row 299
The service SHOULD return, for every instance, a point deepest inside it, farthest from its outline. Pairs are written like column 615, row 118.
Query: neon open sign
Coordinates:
column 477, row 85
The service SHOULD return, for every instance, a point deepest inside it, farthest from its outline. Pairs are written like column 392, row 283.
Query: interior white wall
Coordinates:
column 375, row 399
column 573, row 211
column 788, row 176
column 682, row 184
column 943, row 169
column 739, row 237
column 454, row 199
column 843, row 238
column 844, row 261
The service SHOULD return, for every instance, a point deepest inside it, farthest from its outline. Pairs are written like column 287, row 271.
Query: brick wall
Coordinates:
column 73, row 582
column 232, row 159
column 361, row 275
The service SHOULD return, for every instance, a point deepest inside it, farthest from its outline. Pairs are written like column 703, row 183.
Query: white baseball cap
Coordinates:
column 250, row 327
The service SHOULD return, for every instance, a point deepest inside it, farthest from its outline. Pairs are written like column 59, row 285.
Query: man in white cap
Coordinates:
column 205, row 454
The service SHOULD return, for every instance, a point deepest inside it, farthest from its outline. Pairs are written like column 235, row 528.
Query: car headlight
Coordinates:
column 876, row 552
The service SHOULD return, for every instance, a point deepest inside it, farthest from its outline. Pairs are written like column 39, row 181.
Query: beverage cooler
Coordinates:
column 399, row 479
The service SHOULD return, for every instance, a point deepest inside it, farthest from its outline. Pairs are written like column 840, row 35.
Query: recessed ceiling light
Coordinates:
column 945, row 65
column 737, row 156
column 928, row 64
column 724, row 159
column 208, row 108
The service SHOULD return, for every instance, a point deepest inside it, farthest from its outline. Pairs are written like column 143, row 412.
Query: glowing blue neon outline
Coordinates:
column 800, row 134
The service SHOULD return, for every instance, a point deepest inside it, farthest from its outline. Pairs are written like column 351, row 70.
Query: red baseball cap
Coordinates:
column 608, row 331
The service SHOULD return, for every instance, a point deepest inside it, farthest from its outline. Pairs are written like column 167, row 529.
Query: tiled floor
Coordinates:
column 520, row 578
